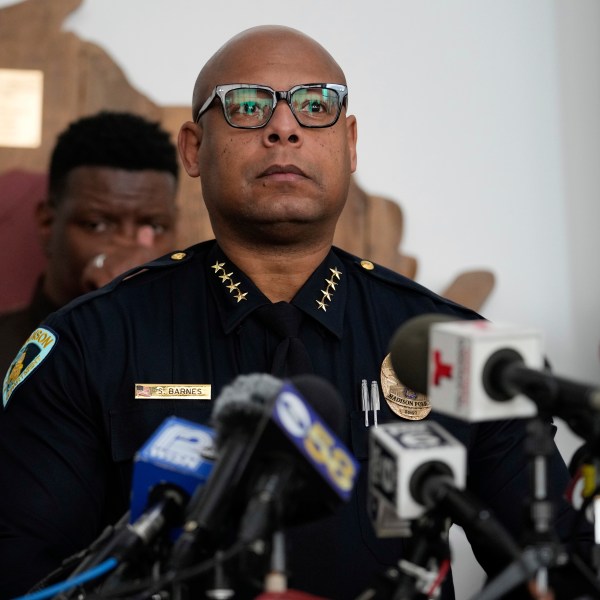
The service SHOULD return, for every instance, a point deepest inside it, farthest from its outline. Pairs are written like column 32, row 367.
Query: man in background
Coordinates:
column 110, row 206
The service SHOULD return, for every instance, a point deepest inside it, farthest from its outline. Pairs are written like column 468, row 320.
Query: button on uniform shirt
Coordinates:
column 71, row 422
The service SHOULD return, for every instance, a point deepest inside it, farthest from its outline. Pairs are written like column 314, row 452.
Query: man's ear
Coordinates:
column 352, row 136
column 44, row 216
column 188, row 142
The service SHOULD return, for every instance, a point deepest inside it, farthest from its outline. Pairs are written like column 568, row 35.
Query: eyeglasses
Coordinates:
column 250, row 106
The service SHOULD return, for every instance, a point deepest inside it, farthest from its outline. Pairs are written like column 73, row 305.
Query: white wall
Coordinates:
column 481, row 118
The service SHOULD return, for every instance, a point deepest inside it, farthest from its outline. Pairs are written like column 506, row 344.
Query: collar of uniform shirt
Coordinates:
column 322, row 297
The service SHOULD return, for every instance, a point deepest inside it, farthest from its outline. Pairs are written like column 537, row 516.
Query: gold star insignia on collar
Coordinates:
column 327, row 292
column 228, row 281
column 331, row 283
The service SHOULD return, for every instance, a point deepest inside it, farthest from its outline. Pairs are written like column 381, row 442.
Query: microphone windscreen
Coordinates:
column 242, row 403
column 409, row 350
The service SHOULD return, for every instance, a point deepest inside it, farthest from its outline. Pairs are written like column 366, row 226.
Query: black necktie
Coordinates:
column 291, row 356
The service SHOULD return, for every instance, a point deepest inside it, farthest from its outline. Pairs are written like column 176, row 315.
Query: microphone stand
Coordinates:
column 221, row 588
column 275, row 581
column 416, row 580
column 276, row 578
column 420, row 576
column 543, row 550
column 539, row 447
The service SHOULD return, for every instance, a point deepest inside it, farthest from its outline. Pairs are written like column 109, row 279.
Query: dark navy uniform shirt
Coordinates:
column 71, row 426
column 15, row 326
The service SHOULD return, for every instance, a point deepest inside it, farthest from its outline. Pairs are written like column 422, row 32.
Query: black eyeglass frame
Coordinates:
column 221, row 91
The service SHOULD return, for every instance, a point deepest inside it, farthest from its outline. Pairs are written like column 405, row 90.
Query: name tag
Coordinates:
column 172, row 391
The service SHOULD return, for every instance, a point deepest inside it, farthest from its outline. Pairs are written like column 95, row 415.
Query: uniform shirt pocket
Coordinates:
column 131, row 426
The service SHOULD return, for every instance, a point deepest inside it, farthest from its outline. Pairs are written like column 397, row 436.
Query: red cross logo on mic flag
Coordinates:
column 440, row 369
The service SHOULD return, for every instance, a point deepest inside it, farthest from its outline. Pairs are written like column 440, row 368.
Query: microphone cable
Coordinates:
column 142, row 590
column 83, row 557
column 49, row 592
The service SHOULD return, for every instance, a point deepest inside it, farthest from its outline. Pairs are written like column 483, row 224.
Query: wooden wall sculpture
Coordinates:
column 80, row 78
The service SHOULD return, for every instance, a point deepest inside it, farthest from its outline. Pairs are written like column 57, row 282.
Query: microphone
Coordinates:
column 304, row 469
column 178, row 456
column 272, row 442
column 478, row 371
column 418, row 468
column 410, row 463
column 239, row 417
column 168, row 468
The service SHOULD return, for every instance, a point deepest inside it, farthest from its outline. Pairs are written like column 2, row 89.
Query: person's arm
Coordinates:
column 53, row 470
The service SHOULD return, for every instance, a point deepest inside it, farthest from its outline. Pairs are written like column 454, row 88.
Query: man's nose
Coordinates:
column 283, row 125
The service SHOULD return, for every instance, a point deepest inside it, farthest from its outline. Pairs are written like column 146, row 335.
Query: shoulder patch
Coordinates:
column 30, row 356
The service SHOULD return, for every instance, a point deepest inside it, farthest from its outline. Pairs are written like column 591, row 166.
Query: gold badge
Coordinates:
column 172, row 391
column 402, row 400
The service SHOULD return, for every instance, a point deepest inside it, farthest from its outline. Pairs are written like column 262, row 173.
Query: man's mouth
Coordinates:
column 283, row 171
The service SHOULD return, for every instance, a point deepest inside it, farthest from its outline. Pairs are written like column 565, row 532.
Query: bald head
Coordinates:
column 269, row 46
column 281, row 183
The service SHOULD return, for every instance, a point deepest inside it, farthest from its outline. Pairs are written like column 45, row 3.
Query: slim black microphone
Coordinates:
column 239, row 417
column 433, row 485
column 279, row 461
column 505, row 375
column 303, row 470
